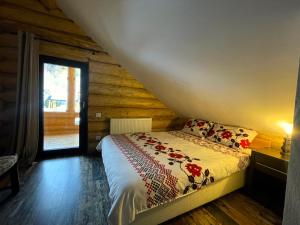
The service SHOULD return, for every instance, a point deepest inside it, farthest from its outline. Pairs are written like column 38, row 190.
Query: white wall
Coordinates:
column 231, row 61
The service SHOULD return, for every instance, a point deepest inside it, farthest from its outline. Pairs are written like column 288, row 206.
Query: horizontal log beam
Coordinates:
column 49, row 4
column 99, row 67
column 59, row 121
column 8, row 66
column 59, row 132
column 173, row 123
column 263, row 140
column 50, row 35
column 115, row 112
column 103, row 100
column 103, row 126
column 61, row 128
column 113, row 90
column 103, row 57
column 23, row 15
column 10, row 53
column 8, row 40
column 61, row 114
column 74, row 53
column 38, row 7
column 106, row 118
column 100, row 78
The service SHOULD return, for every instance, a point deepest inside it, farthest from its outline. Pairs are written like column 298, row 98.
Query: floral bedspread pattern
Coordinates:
column 150, row 157
column 160, row 183
column 233, row 137
column 243, row 157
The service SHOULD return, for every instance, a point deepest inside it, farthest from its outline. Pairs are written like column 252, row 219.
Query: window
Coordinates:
column 77, row 89
column 55, row 88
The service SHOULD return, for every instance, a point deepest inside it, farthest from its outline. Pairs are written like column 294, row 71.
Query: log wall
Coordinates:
column 8, row 78
column 112, row 90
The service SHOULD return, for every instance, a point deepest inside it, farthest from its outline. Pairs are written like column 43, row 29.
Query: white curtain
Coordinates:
column 26, row 131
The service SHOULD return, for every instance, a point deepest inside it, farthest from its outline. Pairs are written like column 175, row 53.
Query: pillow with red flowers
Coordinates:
column 197, row 127
column 233, row 137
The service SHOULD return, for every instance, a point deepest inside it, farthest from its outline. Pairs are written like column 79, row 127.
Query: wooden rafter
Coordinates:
column 49, row 4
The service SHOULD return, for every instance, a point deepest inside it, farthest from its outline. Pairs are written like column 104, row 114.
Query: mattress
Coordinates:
column 148, row 170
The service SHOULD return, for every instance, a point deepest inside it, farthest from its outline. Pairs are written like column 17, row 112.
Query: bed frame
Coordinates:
column 186, row 203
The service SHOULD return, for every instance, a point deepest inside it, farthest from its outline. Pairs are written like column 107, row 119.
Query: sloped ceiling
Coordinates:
column 232, row 61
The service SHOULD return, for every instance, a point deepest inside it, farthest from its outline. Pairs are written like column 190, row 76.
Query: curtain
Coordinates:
column 26, row 130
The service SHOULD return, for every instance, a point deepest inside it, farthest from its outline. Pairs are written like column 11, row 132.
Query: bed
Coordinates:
column 156, row 176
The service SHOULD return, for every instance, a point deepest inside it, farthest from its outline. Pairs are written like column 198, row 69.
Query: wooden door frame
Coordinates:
column 83, row 128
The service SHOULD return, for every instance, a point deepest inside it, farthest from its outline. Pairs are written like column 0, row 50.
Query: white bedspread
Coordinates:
column 145, row 170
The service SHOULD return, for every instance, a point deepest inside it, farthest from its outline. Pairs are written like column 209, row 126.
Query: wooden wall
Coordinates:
column 112, row 90
column 263, row 140
column 8, row 77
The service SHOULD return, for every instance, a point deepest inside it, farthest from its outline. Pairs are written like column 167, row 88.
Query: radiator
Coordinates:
column 128, row 125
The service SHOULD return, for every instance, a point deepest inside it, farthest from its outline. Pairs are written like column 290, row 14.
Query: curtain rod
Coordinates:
column 60, row 43
column 74, row 46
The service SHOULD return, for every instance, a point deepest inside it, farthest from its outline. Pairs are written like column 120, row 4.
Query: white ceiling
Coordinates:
column 232, row 61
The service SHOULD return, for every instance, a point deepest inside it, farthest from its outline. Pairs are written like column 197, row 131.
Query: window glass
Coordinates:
column 77, row 89
column 55, row 88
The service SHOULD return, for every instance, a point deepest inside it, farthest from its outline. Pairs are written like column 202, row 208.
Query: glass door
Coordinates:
column 62, row 105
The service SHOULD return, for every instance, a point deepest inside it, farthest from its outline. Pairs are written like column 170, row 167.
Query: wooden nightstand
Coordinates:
column 266, row 178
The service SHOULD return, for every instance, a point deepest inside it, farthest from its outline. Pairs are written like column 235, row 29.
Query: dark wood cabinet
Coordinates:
column 266, row 178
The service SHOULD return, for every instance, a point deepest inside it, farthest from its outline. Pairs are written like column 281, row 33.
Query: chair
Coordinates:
column 8, row 166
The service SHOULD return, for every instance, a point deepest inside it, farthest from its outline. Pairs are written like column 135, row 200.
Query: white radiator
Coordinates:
column 128, row 125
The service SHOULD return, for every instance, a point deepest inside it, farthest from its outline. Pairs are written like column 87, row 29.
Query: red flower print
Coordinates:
column 189, row 123
column 151, row 141
column 160, row 147
column 226, row 134
column 210, row 133
column 200, row 124
column 194, row 169
column 245, row 143
column 176, row 155
column 142, row 137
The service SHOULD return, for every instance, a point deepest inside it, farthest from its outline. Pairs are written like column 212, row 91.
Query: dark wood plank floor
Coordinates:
column 74, row 190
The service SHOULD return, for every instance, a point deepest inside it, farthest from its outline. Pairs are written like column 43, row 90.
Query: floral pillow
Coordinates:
column 197, row 127
column 233, row 137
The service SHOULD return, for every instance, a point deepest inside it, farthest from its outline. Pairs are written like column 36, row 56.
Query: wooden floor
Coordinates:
column 74, row 190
